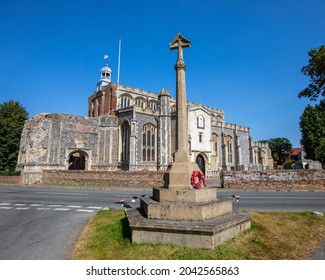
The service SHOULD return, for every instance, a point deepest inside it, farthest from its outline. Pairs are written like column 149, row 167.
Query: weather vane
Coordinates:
column 106, row 57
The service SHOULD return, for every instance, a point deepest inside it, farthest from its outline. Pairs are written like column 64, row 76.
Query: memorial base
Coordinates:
column 200, row 234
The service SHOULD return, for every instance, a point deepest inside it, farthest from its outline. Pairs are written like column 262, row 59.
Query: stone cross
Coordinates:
column 182, row 147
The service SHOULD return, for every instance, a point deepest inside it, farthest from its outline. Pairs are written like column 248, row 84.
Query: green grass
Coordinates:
column 273, row 236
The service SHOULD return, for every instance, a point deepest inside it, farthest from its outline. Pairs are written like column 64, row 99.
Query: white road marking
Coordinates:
column 55, row 207
column 61, row 209
column 94, row 207
column 56, row 193
column 85, row 210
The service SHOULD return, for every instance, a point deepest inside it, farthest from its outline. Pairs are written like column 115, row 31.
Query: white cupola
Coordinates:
column 105, row 76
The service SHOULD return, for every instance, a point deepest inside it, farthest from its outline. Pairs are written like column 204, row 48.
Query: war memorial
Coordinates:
column 180, row 213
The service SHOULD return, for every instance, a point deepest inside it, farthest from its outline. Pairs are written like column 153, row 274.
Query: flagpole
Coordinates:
column 118, row 64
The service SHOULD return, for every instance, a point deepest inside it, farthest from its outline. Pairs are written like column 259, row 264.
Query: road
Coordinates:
column 277, row 201
column 45, row 222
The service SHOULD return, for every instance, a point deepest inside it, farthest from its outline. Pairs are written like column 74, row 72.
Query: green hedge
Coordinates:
column 9, row 173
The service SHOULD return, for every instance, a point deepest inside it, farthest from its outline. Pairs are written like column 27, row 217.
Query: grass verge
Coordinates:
column 273, row 236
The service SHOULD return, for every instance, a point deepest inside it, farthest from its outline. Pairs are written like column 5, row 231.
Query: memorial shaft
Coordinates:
column 182, row 148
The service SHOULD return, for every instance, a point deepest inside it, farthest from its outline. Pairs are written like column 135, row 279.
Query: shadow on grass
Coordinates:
column 125, row 229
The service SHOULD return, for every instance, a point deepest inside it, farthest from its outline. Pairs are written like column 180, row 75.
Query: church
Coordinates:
column 131, row 129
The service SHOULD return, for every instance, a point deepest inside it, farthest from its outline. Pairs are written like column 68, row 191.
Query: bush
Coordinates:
column 9, row 173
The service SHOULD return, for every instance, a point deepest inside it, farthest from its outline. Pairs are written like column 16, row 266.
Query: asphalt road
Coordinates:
column 294, row 201
column 44, row 223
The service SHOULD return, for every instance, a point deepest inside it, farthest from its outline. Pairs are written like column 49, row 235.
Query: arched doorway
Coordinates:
column 201, row 163
column 78, row 160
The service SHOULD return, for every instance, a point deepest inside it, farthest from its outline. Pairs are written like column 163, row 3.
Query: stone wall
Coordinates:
column 49, row 140
column 9, row 180
column 275, row 179
column 104, row 178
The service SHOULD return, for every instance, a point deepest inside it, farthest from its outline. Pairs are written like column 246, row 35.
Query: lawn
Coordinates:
column 273, row 236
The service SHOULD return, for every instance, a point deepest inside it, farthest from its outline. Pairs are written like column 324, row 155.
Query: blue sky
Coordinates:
column 245, row 56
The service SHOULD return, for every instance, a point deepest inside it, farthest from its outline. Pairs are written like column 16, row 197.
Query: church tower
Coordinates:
column 105, row 76
column 103, row 101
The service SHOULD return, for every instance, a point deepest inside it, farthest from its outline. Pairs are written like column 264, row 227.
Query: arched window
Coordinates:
column 200, row 122
column 153, row 105
column 125, row 101
column 125, row 129
column 140, row 102
column 149, row 142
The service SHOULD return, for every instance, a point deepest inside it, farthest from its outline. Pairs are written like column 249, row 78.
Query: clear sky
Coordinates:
column 245, row 56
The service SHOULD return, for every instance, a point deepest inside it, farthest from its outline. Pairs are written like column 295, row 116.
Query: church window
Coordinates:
column 149, row 142
column 125, row 102
column 153, row 106
column 125, row 141
column 200, row 137
column 139, row 102
column 200, row 122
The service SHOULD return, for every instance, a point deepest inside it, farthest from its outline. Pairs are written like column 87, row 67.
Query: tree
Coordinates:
column 312, row 127
column 316, row 72
column 12, row 119
column 280, row 148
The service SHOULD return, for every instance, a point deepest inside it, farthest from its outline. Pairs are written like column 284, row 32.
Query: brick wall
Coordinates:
column 278, row 179
column 104, row 178
column 9, row 180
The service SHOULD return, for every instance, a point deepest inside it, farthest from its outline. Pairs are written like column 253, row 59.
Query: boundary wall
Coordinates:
column 9, row 180
column 104, row 178
column 267, row 179
column 275, row 179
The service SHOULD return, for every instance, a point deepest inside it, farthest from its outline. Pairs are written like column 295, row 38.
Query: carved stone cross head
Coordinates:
column 179, row 41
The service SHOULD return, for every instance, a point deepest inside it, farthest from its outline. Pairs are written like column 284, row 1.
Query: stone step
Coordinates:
column 195, row 234
column 184, row 196
column 184, row 211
